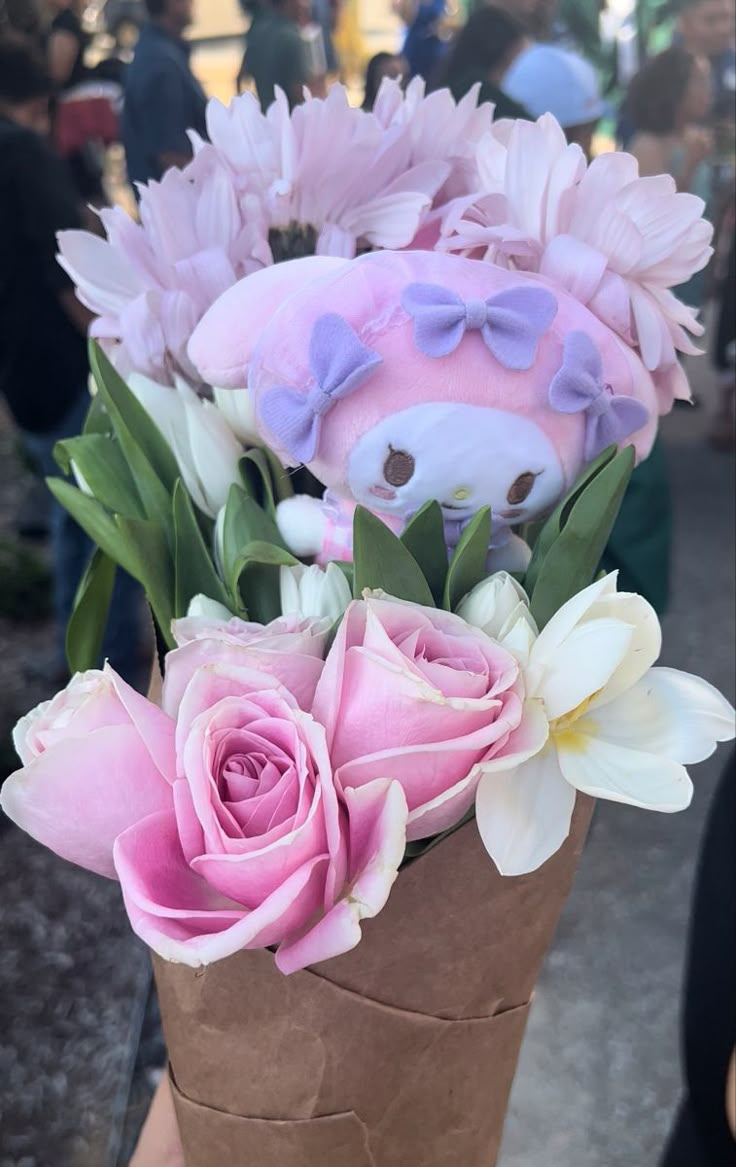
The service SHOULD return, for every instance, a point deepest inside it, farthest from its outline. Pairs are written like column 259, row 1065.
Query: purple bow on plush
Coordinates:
column 579, row 387
column 510, row 323
column 339, row 363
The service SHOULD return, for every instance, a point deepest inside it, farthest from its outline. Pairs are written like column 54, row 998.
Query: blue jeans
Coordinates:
column 71, row 550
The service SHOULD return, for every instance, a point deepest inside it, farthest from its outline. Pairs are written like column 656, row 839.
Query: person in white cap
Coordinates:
column 547, row 79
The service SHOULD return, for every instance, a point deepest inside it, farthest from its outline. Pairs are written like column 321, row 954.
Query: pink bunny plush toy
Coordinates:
column 401, row 377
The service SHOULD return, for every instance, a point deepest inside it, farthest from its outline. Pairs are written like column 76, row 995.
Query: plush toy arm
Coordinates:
column 302, row 523
column 513, row 556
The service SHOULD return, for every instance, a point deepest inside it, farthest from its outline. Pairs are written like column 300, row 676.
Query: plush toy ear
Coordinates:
column 223, row 342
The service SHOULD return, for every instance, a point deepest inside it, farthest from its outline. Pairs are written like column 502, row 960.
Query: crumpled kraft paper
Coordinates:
column 398, row 1054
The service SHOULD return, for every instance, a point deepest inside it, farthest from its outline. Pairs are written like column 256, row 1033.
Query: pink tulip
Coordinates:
column 417, row 695
column 96, row 759
column 257, row 849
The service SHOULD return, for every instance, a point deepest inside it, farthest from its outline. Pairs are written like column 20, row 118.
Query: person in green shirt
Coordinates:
column 275, row 51
column 482, row 52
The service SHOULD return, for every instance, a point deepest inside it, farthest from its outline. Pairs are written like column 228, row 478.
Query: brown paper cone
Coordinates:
column 398, row 1054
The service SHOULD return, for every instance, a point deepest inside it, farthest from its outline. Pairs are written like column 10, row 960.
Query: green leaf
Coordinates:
column 86, row 628
column 146, row 451
column 244, row 522
column 382, row 561
column 99, row 459
column 550, row 530
column 265, row 480
column 95, row 520
column 194, row 570
column 424, row 537
column 97, row 420
column 573, row 559
column 139, row 546
column 151, row 565
column 128, row 415
column 258, row 569
column 468, row 564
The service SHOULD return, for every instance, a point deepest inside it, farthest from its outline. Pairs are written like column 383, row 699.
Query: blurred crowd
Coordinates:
column 658, row 78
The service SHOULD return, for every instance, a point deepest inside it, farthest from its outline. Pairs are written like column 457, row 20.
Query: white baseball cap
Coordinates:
column 547, row 79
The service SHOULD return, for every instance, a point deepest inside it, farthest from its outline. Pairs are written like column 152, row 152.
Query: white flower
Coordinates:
column 618, row 728
column 238, row 407
column 500, row 607
column 205, row 449
column 314, row 592
column 201, row 607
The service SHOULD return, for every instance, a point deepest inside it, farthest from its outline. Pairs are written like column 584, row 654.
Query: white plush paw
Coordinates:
column 302, row 524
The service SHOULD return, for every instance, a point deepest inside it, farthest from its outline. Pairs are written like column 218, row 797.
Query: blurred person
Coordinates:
column 43, row 328
column 483, row 51
column 722, row 435
column 707, row 28
column 705, row 1129
column 424, row 48
column 547, row 79
column 276, row 53
column 67, row 42
column 163, row 98
column 667, row 100
column 380, row 66
column 66, row 46
column 23, row 17
column 324, row 13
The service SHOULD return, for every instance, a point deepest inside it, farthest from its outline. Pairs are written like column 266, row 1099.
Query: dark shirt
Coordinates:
column 163, row 99
column 43, row 358
column 275, row 54
column 67, row 21
column 504, row 106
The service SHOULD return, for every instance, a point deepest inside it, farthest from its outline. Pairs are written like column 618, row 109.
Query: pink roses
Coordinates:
column 418, row 694
column 252, row 811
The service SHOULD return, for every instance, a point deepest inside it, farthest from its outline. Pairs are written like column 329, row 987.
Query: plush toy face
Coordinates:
column 463, row 456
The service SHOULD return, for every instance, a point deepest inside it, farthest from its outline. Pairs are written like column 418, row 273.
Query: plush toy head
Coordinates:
column 406, row 376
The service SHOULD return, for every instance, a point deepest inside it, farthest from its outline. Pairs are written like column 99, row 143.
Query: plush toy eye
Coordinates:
column 521, row 488
column 398, row 467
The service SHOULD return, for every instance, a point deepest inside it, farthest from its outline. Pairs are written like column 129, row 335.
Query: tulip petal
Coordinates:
column 670, row 714
column 605, row 769
column 524, row 814
column 582, row 665
column 78, row 796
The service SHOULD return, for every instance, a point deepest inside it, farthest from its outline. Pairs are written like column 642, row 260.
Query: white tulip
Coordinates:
column 238, row 407
column 206, row 451
column 201, row 607
column 314, row 592
column 618, row 728
column 500, row 607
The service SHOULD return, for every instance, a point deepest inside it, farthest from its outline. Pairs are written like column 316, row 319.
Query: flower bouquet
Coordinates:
column 346, row 817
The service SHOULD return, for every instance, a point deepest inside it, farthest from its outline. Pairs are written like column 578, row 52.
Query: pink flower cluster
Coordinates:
column 268, row 800
column 324, row 179
column 618, row 242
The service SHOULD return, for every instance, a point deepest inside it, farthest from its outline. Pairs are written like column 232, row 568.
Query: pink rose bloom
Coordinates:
column 257, row 849
column 417, row 695
column 96, row 758
column 291, row 649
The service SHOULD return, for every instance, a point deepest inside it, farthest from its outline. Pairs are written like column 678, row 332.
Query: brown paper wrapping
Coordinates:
column 398, row 1054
